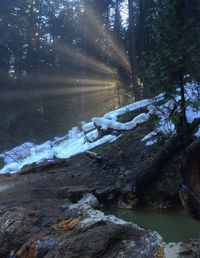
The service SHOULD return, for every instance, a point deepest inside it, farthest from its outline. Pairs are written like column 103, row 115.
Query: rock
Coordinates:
column 5, row 187
column 66, row 224
column 15, row 224
column 130, row 187
column 6, row 175
column 38, row 248
column 96, row 235
column 120, row 153
column 12, row 254
column 121, row 204
column 106, row 194
column 73, row 193
column 90, row 199
column 180, row 250
column 109, row 240
column 127, row 201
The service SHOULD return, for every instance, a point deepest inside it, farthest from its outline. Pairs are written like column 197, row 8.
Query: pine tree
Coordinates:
column 175, row 55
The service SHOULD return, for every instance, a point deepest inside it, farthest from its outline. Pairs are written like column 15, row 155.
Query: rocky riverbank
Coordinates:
column 40, row 216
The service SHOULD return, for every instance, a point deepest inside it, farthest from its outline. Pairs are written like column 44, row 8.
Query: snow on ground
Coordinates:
column 106, row 123
column 75, row 141
column 47, row 151
column 165, row 125
column 78, row 141
column 191, row 114
column 197, row 134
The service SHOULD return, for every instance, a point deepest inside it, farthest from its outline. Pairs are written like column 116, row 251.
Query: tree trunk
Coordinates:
column 191, row 168
column 183, row 112
column 181, row 16
column 136, row 91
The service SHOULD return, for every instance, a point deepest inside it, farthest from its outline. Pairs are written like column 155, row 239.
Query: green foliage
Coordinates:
column 176, row 48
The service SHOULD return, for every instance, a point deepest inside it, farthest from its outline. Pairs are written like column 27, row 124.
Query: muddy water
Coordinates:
column 173, row 226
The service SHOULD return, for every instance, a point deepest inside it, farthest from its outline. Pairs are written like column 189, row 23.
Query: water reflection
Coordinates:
column 173, row 226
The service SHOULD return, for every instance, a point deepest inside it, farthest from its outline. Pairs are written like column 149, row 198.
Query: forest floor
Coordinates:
column 121, row 162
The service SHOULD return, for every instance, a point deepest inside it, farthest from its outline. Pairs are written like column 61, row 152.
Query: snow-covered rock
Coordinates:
column 106, row 123
column 90, row 199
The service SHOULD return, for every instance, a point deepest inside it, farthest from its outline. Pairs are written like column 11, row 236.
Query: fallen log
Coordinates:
column 44, row 166
column 106, row 126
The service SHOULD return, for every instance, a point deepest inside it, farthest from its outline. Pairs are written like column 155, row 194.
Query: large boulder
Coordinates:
column 93, row 236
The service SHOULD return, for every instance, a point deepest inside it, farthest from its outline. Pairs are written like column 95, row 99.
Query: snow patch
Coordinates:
column 197, row 134
column 106, row 123
column 165, row 125
column 191, row 114
column 77, row 141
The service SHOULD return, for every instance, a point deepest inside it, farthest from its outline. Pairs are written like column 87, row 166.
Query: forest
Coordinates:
column 48, row 48
column 99, row 128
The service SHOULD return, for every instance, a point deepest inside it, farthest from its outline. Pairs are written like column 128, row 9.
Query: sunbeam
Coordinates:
column 115, row 51
column 34, row 93
column 67, row 50
column 70, row 81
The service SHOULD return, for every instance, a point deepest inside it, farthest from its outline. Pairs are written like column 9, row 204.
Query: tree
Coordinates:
column 132, row 55
column 175, row 55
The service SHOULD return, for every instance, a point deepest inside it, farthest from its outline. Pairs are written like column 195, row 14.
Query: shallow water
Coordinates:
column 173, row 226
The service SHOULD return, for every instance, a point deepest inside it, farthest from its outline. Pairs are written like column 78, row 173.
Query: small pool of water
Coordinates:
column 173, row 226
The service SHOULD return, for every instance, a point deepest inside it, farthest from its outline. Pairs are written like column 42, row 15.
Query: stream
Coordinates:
column 173, row 226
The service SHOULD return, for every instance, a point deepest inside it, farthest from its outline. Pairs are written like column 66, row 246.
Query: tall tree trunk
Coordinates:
column 183, row 110
column 181, row 16
column 136, row 91
column 117, row 34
